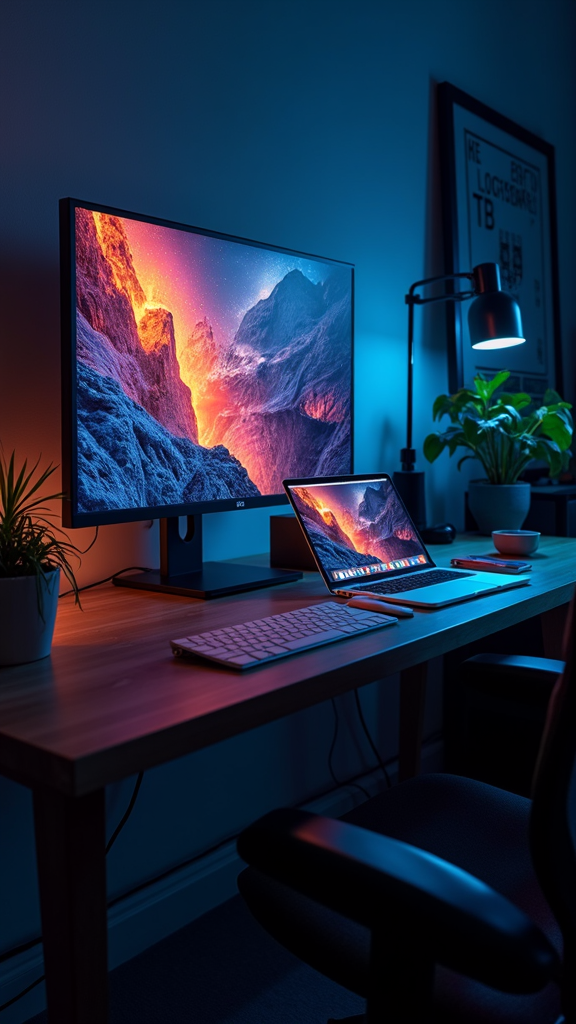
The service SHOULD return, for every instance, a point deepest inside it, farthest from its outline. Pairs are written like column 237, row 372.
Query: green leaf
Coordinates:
column 543, row 447
column 554, row 426
column 29, row 541
column 488, row 426
column 527, row 444
column 555, row 406
column 528, row 424
column 481, row 386
column 505, row 414
column 471, row 431
column 464, row 400
column 454, row 442
column 463, row 395
column 453, row 432
column 486, row 388
column 563, row 413
column 518, row 401
column 433, row 446
column 475, row 410
column 552, row 457
column 499, row 379
column 442, row 405
column 550, row 396
column 549, row 452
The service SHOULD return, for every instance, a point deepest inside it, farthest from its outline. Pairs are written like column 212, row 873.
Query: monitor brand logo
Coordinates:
column 239, row 504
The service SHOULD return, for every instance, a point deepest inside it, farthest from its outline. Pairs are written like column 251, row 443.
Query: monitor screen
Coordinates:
column 199, row 370
column 357, row 528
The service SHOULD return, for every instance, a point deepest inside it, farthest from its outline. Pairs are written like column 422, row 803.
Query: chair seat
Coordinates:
column 475, row 826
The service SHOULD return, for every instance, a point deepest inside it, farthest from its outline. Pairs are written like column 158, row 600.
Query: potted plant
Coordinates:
column 504, row 432
column 32, row 555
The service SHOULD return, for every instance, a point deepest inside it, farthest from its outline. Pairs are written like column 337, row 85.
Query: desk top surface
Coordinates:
column 112, row 699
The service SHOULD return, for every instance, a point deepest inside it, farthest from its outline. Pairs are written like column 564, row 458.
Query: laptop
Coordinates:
column 364, row 542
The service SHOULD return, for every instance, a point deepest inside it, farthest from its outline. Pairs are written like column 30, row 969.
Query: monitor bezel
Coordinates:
column 70, row 516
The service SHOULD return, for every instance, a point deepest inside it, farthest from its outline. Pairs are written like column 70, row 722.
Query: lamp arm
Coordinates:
column 417, row 300
column 408, row 454
column 411, row 297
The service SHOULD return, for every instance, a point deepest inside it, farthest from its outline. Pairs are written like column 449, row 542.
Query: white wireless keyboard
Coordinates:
column 256, row 643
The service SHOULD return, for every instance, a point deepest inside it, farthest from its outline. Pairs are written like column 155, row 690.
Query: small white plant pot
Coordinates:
column 27, row 622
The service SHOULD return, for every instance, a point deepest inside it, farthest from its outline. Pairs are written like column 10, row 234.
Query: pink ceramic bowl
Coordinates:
column 515, row 542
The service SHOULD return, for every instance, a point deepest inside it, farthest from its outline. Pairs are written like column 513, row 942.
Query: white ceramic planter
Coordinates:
column 498, row 506
column 25, row 634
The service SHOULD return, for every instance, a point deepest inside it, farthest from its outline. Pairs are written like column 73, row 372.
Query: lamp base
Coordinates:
column 410, row 486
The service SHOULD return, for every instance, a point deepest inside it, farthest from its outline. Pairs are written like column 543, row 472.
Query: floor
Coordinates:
column 222, row 969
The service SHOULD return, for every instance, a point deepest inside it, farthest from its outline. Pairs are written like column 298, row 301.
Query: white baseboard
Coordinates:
column 143, row 918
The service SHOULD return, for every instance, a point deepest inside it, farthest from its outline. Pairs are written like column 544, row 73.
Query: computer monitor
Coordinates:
column 199, row 370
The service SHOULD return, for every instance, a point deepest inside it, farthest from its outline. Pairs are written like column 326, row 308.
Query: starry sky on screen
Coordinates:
column 198, row 276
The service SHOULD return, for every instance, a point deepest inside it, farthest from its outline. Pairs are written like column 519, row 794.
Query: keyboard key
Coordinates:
column 420, row 579
column 307, row 641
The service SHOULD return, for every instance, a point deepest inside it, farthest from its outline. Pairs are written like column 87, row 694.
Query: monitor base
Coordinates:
column 214, row 579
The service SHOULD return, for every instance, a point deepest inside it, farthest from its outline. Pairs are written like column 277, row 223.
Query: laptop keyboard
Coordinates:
column 421, row 579
column 276, row 636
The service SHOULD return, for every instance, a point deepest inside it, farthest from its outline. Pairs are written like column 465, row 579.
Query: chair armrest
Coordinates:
column 373, row 879
column 512, row 676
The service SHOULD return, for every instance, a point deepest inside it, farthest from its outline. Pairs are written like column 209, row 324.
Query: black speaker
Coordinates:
column 410, row 487
column 288, row 545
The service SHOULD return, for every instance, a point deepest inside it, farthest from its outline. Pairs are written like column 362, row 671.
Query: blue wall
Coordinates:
column 310, row 125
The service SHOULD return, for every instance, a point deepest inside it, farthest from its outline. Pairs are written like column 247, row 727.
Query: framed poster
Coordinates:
column 499, row 206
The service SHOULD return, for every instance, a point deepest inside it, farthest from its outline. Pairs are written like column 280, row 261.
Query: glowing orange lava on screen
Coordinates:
column 164, row 269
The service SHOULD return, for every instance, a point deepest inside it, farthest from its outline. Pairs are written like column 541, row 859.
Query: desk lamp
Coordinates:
column 494, row 322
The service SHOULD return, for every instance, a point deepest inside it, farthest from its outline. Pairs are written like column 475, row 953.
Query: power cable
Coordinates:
column 335, row 779
column 89, row 586
column 370, row 740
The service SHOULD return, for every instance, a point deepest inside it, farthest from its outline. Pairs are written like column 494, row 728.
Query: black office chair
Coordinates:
column 442, row 900
column 504, row 699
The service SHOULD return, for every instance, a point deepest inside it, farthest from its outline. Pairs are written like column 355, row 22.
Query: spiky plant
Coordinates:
column 30, row 542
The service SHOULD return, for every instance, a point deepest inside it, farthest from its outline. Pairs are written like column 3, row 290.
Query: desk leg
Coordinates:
column 70, row 854
column 553, row 625
column 412, row 702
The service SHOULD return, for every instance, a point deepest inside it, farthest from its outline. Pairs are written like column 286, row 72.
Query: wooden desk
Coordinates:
column 111, row 700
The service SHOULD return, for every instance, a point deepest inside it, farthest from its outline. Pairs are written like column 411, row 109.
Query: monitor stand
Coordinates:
column 182, row 570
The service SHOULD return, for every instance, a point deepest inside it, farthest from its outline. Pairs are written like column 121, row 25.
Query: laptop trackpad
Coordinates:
column 450, row 593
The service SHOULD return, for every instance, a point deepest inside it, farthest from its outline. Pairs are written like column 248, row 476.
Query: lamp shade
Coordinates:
column 494, row 317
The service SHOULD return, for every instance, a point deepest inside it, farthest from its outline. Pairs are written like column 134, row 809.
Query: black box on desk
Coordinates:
column 288, row 545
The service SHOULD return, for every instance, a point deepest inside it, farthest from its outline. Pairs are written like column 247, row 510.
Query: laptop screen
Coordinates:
column 358, row 529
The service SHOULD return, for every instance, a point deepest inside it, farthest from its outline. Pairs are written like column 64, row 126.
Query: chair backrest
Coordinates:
column 553, row 816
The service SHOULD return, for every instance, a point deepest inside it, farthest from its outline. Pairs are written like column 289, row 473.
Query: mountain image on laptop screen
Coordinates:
column 356, row 524
column 207, row 368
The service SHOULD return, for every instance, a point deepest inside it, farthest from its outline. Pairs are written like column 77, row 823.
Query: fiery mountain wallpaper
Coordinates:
column 356, row 524
column 206, row 368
